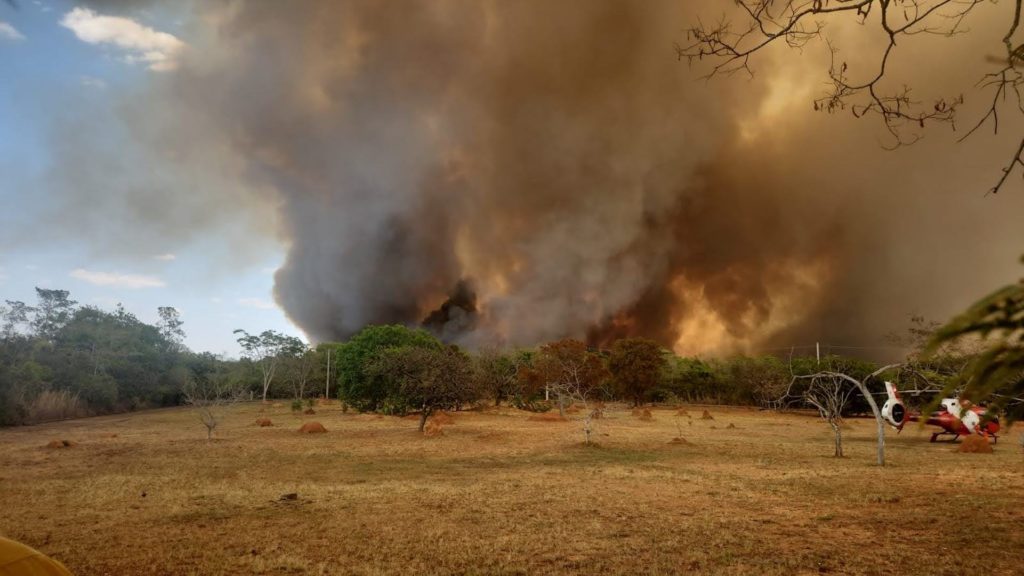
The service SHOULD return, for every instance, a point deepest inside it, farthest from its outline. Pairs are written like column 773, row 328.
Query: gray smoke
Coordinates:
column 558, row 156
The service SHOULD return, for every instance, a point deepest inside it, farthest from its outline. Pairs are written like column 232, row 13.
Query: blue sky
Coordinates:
column 51, row 74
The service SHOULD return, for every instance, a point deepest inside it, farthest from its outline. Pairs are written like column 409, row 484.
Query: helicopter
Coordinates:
column 955, row 417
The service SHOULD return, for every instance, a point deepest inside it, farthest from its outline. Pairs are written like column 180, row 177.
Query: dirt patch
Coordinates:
column 264, row 422
column 643, row 414
column 546, row 417
column 61, row 443
column 975, row 444
column 706, row 416
column 312, row 428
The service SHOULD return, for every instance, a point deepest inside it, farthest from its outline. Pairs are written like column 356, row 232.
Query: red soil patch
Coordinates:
column 264, row 422
column 706, row 416
column 61, row 444
column 312, row 428
column 546, row 417
column 975, row 444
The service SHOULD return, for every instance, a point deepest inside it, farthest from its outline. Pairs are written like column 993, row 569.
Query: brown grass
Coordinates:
column 432, row 429
column 442, row 418
column 500, row 494
column 547, row 417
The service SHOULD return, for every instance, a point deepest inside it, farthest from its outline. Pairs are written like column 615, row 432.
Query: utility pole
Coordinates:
column 817, row 352
column 327, row 390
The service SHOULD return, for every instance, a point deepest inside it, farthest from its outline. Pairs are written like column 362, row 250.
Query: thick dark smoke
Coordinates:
column 559, row 155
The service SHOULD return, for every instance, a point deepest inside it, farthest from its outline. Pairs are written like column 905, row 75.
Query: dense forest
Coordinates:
column 62, row 360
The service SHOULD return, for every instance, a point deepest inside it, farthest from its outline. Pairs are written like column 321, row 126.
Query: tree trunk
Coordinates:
column 561, row 405
column 878, row 419
column 423, row 418
column 838, row 432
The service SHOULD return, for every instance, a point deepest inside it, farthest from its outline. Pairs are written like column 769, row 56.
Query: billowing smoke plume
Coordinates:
column 523, row 171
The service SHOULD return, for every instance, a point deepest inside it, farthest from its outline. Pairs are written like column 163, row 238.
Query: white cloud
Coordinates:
column 165, row 257
column 43, row 7
column 8, row 32
column 257, row 303
column 158, row 50
column 130, row 281
column 90, row 82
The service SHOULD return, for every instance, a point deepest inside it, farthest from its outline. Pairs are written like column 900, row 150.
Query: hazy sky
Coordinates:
column 550, row 165
column 52, row 78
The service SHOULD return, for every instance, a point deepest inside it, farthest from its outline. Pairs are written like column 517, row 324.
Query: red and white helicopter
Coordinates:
column 956, row 418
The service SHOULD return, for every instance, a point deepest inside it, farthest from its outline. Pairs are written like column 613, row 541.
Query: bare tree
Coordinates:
column 731, row 43
column 211, row 396
column 830, row 395
column 861, row 386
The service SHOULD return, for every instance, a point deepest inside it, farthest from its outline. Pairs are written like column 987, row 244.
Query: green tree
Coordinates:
column 497, row 372
column 366, row 390
column 636, row 365
column 53, row 310
column 996, row 324
column 428, row 378
column 170, row 325
column 267, row 351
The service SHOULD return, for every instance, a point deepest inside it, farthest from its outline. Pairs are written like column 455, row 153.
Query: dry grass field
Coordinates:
column 500, row 494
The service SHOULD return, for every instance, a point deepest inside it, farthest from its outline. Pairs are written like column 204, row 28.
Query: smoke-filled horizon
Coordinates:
column 517, row 172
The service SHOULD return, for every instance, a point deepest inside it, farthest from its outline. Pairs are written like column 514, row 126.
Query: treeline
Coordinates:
column 61, row 360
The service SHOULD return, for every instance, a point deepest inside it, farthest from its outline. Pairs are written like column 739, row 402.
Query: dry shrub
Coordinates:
column 309, row 411
column 264, row 422
column 975, row 444
column 546, row 417
column 442, row 418
column 55, row 405
column 432, row 429
column 644, row 415
column 312, row 428
column 706, row 416
column 61, row 444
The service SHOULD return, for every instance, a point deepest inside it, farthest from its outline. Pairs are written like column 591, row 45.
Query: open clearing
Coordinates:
column 499, row 494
